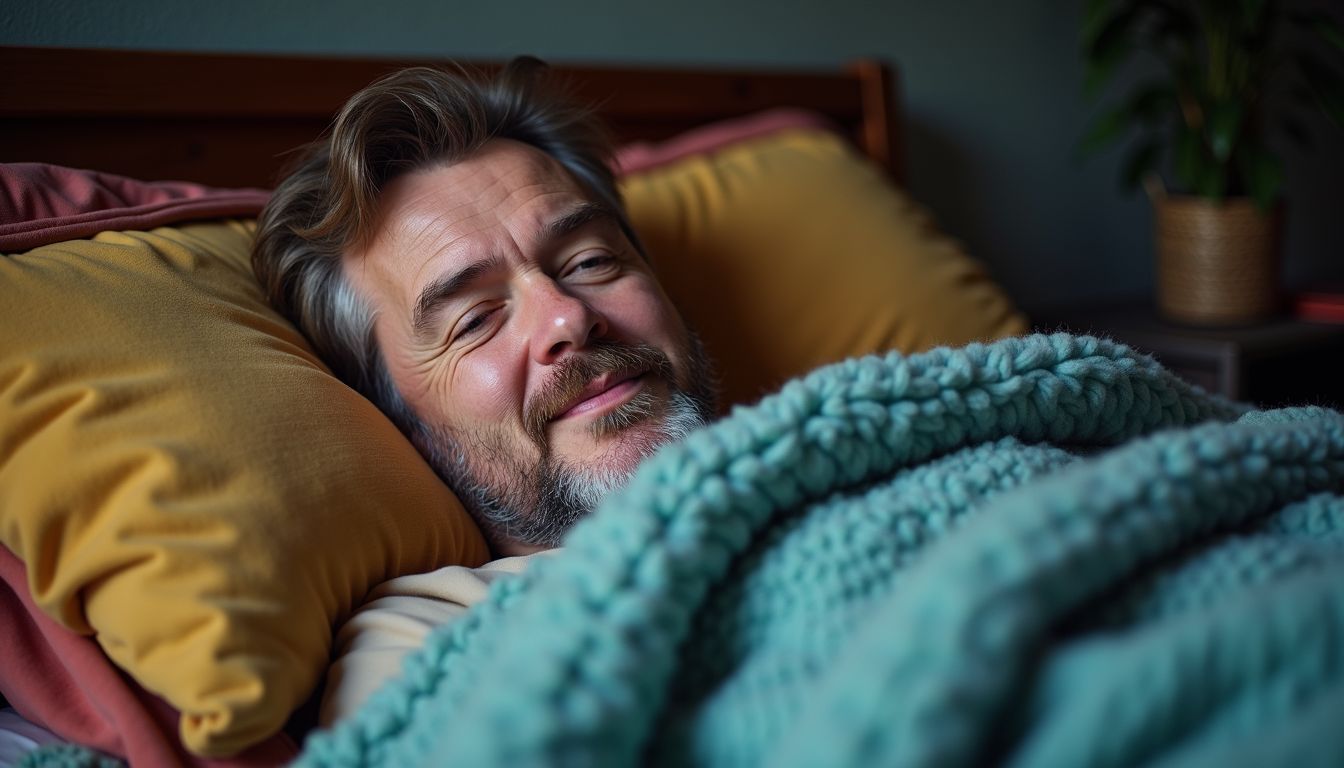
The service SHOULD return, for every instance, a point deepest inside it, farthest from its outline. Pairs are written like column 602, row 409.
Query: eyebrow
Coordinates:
column 582, row 215
column 444, row 289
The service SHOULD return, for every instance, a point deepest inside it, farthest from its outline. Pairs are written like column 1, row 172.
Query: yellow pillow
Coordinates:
column 790, row 250
column 185, row 480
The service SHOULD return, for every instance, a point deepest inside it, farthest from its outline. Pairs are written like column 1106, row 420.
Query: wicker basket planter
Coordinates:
column 1217, row 263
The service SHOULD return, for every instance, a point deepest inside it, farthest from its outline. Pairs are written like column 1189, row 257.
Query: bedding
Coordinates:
column 785, row 249
column 1043, row 551
column 182, row 479
column 395, row 620
column 64, row 680
column 42, row 203
column 191, row 488
column 18, row 737
column 153, row 316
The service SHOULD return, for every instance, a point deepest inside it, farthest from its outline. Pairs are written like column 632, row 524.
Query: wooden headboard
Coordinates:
column 230, row 120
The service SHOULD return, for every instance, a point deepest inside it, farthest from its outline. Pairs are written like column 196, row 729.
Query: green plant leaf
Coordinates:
column 1255, row 27
column 1333, row 105
column 1196, row 169
column 1327, row 89
column 1262, row 174
column 1222, row 127
column 1172, row 36
column 1153, row 101
column 1212, row 181
column 1327, row 28
column 1251, row 11
column 1112, row 45
column 1332, row 32
column 1141, row 160
column 1105, row 130
column 1095, row 14
column 1187, row 161
column 1174, row 21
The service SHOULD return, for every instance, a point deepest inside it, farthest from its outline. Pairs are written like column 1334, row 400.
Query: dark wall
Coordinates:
column 991, row 89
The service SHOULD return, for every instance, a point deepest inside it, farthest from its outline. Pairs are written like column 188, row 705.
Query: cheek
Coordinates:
column 480, row 388
column 463, row 392
column 644, row 313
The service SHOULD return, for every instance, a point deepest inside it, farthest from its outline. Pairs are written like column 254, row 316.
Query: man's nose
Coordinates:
column 561, row 322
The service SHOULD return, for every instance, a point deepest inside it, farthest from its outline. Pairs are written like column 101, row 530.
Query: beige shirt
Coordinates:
column 395, row 620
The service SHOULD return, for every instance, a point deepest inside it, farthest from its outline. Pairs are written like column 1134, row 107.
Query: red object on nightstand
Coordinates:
column 1320, row 306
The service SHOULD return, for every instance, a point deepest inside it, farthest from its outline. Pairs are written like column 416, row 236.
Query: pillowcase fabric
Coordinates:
column 64, row 683
column 184, row 480
column 42, row 203
column 787, row 250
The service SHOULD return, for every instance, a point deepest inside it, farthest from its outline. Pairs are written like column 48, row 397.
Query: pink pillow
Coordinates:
column 644, row 156
column 41, row 204
column 50, row 675
column 63, row 682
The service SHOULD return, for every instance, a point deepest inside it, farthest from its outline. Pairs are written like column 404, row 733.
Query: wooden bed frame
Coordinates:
column 231, row 120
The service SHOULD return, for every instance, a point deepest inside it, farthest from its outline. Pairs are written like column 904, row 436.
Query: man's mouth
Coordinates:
column 607, row 390
column 597, row 386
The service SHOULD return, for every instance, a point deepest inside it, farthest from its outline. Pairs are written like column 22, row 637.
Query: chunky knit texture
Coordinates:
column 1045, row 551
column 67, row 756
column 904, row 561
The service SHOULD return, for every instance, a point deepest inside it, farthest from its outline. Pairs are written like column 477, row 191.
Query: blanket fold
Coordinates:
column 1042, row 551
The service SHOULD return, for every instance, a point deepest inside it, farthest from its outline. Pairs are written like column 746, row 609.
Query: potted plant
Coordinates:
column 1228, row 84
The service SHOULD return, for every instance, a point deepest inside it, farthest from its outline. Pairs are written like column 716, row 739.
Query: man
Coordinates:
column 457, row 251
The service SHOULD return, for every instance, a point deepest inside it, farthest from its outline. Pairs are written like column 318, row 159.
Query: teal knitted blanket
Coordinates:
column 1043, row 551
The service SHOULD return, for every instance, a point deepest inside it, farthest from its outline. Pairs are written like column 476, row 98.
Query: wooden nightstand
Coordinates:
column 1279, row 362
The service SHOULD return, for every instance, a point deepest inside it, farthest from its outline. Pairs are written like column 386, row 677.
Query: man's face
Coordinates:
column 522, row 326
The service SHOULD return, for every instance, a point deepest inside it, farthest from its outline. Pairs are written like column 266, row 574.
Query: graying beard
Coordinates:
column 640, row 407
column 559, row 494
column 584, row 490
column 538, row 505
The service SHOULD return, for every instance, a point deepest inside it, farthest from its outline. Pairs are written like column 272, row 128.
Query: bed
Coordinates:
column 227, row 120
column 190, row 502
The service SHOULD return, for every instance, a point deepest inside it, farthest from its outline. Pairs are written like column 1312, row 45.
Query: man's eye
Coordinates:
column 594, row 264
column 472, row 324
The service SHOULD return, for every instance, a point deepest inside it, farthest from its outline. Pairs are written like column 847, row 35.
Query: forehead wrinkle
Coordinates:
column 547, row 205
column 434, row 238
column 446, row 202
column 440, row 233
column 415, row 201
column 436, row 216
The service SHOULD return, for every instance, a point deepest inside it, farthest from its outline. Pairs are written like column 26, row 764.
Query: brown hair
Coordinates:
column 406, row 121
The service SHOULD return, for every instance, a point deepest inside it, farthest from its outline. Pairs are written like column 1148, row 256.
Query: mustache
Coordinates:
column 576, row 371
